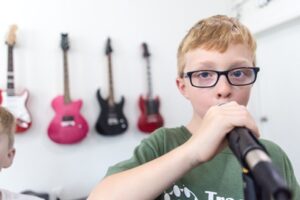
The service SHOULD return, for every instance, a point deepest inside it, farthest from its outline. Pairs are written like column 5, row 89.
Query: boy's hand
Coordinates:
column 219, row 120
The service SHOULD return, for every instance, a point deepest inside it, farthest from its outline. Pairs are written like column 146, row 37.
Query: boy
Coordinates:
column 216, row 70
column 7, row 152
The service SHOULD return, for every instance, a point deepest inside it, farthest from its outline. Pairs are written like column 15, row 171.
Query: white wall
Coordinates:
column 259, row 18
column 278, row 56
column 73, row 170
column 277, row 92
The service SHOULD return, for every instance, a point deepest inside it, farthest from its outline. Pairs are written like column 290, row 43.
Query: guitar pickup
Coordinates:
column 67, row 121
column 113, row 121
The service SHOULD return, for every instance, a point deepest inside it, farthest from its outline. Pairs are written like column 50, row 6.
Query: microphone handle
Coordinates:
column 253, row 156
column 241, row 141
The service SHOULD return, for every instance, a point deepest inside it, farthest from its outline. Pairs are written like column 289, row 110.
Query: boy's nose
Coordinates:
column 223, row 88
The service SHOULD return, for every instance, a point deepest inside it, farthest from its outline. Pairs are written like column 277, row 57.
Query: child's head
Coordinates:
column 7, row 127
column 215, row 33
column 216, row 46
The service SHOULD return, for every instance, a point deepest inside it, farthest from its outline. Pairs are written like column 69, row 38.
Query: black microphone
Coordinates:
column 254, row 157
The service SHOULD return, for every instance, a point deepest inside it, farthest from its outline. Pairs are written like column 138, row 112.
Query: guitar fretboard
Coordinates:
column 149, row 81
column 111, row 98
column 10, row 72
column 67, row 98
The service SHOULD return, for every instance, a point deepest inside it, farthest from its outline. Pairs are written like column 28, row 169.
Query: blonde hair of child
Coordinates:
column 215, row 33
column 7, row 125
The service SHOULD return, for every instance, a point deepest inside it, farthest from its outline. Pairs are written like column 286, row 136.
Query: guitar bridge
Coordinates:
column 152, row 119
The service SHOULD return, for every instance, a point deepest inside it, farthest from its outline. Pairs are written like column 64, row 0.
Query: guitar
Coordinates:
column 111, row 120
column 150, row 118
column 15, row 103
column 68, row 126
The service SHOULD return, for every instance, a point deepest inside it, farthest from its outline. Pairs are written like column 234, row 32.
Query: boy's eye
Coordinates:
column 237, row 73
column 203, row 74
column 241, row 73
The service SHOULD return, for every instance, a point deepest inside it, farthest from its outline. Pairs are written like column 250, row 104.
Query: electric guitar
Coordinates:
column 150, row 118
column 111, row 120
column 15, row 103
column 68, row 126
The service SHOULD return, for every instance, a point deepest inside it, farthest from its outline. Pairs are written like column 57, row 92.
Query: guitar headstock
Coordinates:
column 108, row 49
column 11, row 37
column 64, row 42
column 146, row 52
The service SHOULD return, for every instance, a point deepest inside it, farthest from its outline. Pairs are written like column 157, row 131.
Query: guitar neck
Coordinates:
column 111, row 98
column 149, row 82
column 10, row 72
column 67, row 98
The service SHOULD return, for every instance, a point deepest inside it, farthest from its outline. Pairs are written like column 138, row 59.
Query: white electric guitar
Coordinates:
column 16, row 104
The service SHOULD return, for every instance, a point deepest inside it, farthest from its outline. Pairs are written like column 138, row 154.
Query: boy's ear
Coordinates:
column 181, row 85
column 9, row 157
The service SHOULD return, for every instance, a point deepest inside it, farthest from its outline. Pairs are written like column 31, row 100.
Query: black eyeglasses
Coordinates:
column 209, row 78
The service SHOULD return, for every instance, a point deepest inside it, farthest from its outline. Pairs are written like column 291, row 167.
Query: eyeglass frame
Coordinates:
column 219, row 73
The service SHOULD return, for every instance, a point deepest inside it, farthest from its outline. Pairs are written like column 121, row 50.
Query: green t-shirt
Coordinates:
column 218, row 179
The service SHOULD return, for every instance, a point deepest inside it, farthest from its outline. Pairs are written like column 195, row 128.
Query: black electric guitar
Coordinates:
column 111, row 120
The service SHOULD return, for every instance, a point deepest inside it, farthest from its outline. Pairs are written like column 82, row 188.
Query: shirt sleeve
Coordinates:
column 281, row 160
column 291, row 179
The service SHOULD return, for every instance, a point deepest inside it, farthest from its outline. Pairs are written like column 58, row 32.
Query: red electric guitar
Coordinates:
column 16, row 104
column 150, row 118
column 68, row 126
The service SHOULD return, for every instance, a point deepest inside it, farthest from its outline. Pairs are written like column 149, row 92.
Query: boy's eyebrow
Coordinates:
column 210, row 65
column 206, row 64
column 241, row 63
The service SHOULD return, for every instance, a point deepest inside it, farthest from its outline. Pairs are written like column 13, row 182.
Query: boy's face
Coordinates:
column 200, row 59
column 6, row 153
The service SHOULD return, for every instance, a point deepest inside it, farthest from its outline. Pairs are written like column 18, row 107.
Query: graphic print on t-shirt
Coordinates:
column 184, row 193
column 180, row 193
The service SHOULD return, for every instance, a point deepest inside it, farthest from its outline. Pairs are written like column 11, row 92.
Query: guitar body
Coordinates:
column 17, row 105
column 68, row 126
column 150, row 118
column 111, row 120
